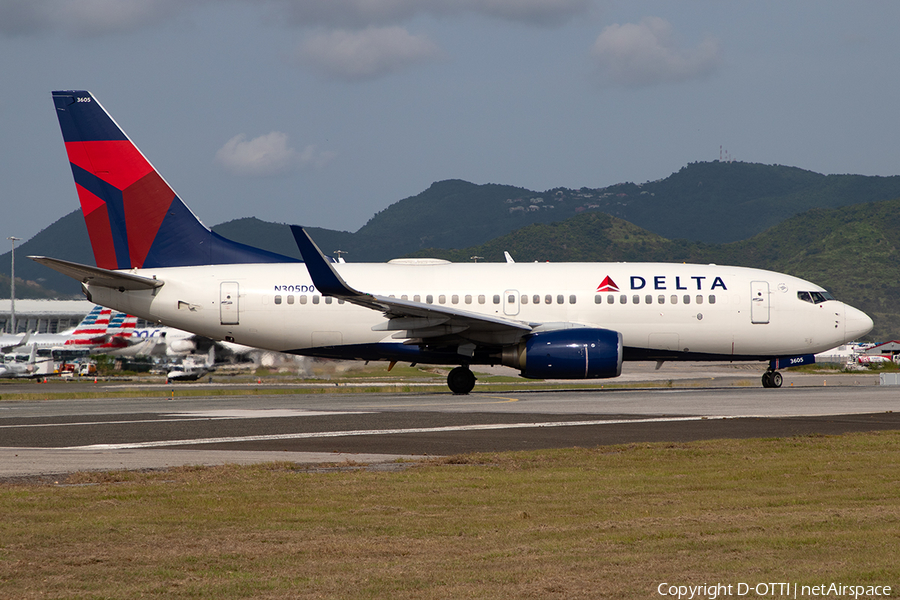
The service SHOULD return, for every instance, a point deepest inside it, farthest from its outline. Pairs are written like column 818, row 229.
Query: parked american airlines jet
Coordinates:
column 95, row 332
column 155, row 259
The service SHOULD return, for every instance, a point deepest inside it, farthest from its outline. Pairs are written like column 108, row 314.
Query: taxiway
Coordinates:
column 41, row 438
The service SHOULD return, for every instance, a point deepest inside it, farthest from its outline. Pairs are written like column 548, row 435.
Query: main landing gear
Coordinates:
column 772, row 379
column 461, row 380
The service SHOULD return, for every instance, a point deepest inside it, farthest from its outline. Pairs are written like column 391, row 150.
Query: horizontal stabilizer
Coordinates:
column 97, row 276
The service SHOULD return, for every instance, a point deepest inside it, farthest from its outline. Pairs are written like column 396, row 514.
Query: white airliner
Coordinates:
column 95, row 331
column 16, row 366
column 153, row 341
column 549, row 320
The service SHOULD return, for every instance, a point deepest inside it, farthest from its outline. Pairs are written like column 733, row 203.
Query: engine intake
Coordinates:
column 585, row 353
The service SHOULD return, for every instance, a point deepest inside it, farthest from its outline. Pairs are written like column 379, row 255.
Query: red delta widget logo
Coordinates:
column 665, row 282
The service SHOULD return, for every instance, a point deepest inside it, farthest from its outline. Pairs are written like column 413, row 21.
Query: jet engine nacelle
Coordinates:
column 185, row 346
column 584, row 353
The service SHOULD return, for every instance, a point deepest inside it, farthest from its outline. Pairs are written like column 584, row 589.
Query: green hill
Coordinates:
column 852, row 251
column 711, row 202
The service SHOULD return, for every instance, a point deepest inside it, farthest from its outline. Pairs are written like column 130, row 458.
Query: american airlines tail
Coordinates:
column 133, row 217
column 94, row 325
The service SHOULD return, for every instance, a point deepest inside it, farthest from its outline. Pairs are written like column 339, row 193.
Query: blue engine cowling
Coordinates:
column 584, row 353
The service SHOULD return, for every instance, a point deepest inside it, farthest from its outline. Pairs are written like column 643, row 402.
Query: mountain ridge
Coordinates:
column 715, row 199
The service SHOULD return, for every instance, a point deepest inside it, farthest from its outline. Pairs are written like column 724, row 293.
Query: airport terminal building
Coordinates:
column 43, row 316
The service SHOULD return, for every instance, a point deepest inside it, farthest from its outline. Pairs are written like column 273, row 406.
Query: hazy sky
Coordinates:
column 323, row 112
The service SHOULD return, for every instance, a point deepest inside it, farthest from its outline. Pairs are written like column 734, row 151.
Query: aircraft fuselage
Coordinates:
column 662, row 310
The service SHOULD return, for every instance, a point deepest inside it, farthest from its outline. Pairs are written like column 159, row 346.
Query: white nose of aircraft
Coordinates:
column 856, row 323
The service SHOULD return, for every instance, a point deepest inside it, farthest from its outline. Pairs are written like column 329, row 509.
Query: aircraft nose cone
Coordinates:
column 856, row 323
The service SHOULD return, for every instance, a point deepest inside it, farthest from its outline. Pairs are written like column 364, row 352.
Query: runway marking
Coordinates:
column 360, row 432
column 502, row 400
column 201, row 415
column 257, row 413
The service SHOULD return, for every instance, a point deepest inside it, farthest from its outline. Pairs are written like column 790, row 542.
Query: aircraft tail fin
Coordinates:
column 93, row 326
column 122, row 324
column 134, row 218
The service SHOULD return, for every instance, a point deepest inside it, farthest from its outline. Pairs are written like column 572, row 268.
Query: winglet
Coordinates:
column 324, row 276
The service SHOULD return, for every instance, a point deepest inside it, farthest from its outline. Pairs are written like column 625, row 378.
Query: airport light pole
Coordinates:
column 12, row 284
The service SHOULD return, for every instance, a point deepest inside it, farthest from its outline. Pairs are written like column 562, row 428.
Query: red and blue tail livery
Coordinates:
column 134, row 218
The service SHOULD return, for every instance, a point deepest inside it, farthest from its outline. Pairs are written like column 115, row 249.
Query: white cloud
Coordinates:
column 647, row 53
column 536, row 12
column 367, row 54
column 99, row 17
column 85, row 17
column 363, row 13
column 268, row 155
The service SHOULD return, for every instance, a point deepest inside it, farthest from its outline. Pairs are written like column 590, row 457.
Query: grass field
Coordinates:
column 610, row 522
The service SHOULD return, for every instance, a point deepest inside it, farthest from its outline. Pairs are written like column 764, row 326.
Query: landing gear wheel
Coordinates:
column 461, row 380
column 772, row 379
column 776, row 379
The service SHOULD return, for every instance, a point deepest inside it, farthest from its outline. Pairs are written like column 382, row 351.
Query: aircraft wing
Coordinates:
column 116, row 280
column 421, row 323
column 21, row 342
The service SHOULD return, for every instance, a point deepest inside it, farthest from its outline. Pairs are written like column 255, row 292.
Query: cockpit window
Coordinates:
column 815, row 297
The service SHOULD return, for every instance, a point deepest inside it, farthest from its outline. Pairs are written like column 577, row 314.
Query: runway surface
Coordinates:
column 44, row 438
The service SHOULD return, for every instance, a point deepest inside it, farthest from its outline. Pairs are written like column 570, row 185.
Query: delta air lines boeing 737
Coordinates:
column 155, row 259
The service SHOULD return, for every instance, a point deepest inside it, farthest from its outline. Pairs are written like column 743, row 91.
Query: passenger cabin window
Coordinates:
column 712, row 299
column 454, row 299
column 315, row 299
column 673, row 299
column 277, row 299
column 572, row 299
column 404, row 297
column 610, row 299
column 417, row 298
column 623, row 299
column 661, row 299
column 548, row 299
column 511, row 299
column 442, row 299
column 537, row 299
column 468, row 298
column 302, row 299
column 635, row 299
column 496, row 298
column 687, row 299
column 699, row 299
column 328, row 299
column 429, row 299
column 290, row 299
column 480, row 298
column 524, row 299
